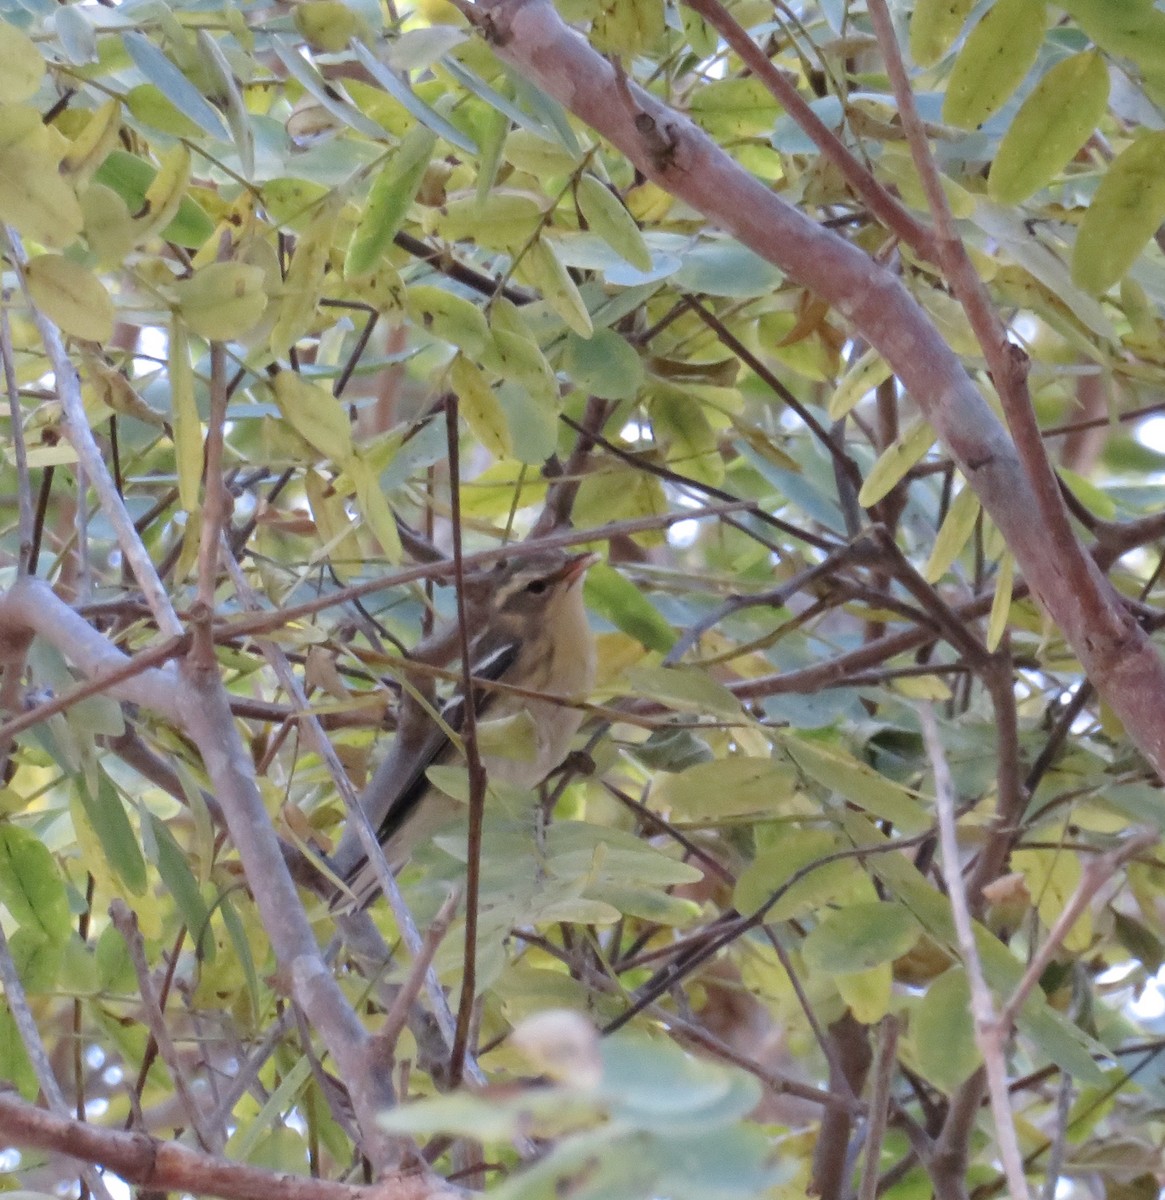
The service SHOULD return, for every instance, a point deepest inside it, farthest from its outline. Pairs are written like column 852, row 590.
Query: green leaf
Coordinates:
column 942, row 1032
column 389, row 200
column 169, row 860
column 170, row 81
column 860, row 937
column 685, row 688
column 729, row 787
column 325, row 93
column 603, row 365
column 230, row 98
column 773, row 866
column 1124, row 214
column 37, row 959
column 618, row 600
column 605, row 215
column 14, row 1061
column 31, row 887
column 996, row 56
column 1058, row 1039
column 857, row 782
column 1055, row 120
column 107, row 815
column 131, row 177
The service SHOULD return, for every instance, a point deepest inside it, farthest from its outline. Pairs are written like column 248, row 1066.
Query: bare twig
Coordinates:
column 26, row 1026
column 384, row 1042
column 216, row 496
column 90, row 459
column 988, row 1032
column 126, row 924
column 885, row 1059
column 474, row 765
column 1096, row 873
column 19, row 452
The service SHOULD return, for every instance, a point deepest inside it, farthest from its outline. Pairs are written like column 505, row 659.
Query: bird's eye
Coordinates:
column 536, row 587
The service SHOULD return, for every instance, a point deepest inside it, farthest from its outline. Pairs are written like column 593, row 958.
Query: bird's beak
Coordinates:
column 576, row 567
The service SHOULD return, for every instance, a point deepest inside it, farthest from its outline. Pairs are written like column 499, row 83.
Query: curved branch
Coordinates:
column 670, row 151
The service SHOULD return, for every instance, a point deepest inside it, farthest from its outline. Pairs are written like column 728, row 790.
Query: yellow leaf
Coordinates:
column 108, row 227
column 934, row 25
column 953, row 534
column 997, row 54
column 870, row 370
column 222, row 301
column 868, row 993
column 165, row 193
column 315, row 414
column 1001, row 604
column 449, row 317
column 541, row 269
column 1053, row 122
column 480, row 407
column 21, row 66
column 71, row 296
column 1124, row 214
column 1052, row 877
column 33, row 195
column 374, row 507
column 184, row 417
column 895, row 461
column 91, row 147
column 337, row 530
column 606, row 216
column 502, row 219
column 305, row 277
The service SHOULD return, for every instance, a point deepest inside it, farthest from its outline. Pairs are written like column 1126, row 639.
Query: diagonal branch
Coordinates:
column 670, row 151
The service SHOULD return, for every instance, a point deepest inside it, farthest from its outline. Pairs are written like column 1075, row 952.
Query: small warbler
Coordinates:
column 529, row 630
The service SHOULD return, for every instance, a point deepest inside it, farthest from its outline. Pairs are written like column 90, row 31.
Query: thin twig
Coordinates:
column 90, row 460
column 383, row 1044
column 216, row 497
column 987, row 1028
column 474, row 765
column 19, row 452
column 126, row 923
column 885, row 1059
column 1095, row 874
column 34, row 1047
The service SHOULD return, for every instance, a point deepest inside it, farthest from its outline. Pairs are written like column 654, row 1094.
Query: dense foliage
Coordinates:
column 336, row 275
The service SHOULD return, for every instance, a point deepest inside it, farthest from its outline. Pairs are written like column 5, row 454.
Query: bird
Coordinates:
column 529, row 630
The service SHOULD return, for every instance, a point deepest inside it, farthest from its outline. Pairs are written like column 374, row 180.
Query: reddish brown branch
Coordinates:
column 170, row 1167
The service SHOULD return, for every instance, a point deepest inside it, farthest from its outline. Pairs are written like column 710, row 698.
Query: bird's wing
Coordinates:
column 399, row 783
